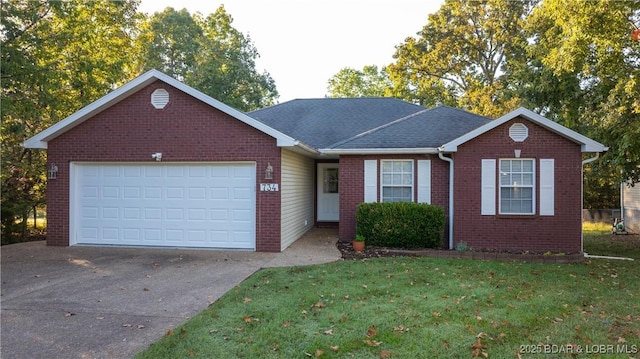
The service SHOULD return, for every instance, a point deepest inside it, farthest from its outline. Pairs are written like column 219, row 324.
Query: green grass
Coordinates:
column 418, row 307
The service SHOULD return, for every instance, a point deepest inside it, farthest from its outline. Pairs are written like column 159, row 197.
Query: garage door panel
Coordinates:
column 189, row 205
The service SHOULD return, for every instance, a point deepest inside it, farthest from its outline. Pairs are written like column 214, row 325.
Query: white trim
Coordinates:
column 547, row 192
column 40, row 140
column 488, row 188
column 382, row 185
column 588, row 145
column 379, row 151
column 424, row 181
column 532, row 186
column 371, row 181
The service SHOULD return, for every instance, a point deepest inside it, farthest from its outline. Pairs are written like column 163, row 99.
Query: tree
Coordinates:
column 56, row 58
column 464, row 52
column 369, row 82
column 169, row 43
column 226, row 66
column 587, row 48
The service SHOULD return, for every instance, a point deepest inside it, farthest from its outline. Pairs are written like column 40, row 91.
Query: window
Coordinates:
column 517, row 186
column 397, row 181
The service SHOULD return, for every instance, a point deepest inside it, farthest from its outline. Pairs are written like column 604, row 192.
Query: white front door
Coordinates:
column 328, row 197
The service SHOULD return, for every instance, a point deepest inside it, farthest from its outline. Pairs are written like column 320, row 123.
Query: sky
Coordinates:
column 303, row 43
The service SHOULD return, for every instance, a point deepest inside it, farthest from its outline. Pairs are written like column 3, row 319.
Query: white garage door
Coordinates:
column 159, row 204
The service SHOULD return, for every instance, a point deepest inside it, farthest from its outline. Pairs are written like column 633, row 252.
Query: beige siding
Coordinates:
column 631, row 196
column 298, row 178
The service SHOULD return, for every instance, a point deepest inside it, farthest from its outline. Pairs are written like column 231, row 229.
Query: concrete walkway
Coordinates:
column 104, row 302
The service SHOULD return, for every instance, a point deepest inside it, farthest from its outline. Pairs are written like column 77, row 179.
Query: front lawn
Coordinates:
column 420, row 307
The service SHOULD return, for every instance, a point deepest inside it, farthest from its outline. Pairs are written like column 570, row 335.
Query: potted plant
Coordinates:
column 358, row 243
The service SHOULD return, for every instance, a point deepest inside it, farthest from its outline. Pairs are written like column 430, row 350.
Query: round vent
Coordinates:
column 518, row 132
column 160, row 98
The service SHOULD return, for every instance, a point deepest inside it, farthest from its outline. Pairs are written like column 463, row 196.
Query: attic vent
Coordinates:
column 160, row 98
column 518, row 132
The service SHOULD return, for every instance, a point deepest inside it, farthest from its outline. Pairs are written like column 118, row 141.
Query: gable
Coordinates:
column 587, row 144
column 41, row 139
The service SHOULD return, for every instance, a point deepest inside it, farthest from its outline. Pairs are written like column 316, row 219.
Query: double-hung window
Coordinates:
column 397, row 180
column 517, row 187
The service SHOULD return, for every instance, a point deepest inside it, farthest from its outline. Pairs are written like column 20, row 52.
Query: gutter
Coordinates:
column 450, row 160
column 379, row 151
column 584, row 162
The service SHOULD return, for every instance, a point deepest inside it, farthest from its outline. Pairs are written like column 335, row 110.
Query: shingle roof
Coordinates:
column 362, row 123
column 429, row 128
column 325, row 121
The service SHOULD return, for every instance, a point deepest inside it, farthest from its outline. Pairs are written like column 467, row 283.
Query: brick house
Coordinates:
column 158, row 163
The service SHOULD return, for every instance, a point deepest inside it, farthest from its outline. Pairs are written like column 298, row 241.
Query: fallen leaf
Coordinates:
column 127, row 325
column 372, row 343
column 621, row 340
column 319, row 353
column 328, row 332
column 372, row 331
column 247, row 300
column 168, row 333
column 246, row 319
column 140, row 326
column 286, row 324
column 385, row 354
column 334, row 348
column 68, row 314
column 213, row 331
column 318, row 305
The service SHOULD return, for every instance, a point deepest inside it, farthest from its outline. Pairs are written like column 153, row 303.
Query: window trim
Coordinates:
column 500, row 186
column 413, row 179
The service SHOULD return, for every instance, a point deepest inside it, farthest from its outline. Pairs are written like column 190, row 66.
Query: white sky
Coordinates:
column 303, row 43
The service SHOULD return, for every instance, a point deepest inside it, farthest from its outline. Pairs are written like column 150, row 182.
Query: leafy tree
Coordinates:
column 56, row 58
column 170, row 41
column 207, row 53
column 226, row 66
column 368, row 82
column 464, row 52
column 586, row 49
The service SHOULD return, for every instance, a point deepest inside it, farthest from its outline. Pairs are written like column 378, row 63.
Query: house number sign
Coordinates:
column 268, row 187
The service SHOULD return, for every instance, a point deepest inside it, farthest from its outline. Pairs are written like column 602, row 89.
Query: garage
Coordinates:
column 196, row 205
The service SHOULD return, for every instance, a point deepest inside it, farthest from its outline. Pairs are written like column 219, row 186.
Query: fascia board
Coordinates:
column 378, row 151
column 587, row 144
column 40, row 140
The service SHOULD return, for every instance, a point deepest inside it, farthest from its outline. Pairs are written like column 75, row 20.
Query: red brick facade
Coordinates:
column 558, row 233
column 185, row 130
column 352, row 186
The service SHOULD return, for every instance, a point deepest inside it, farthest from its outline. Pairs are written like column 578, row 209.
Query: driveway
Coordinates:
column 105, row 302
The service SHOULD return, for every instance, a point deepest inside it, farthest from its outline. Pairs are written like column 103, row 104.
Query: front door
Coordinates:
column 328, row 197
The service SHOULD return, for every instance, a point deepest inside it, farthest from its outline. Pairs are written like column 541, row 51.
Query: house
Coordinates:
column 158, row 163
column 631, row 207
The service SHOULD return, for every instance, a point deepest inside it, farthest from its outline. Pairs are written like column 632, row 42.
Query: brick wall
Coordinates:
column 352, row 187
column 558, row 233
column 185, row 130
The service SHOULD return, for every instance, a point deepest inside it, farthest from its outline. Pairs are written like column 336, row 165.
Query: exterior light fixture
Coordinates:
column 157, row 156
column 52, row 172
column 268, row 172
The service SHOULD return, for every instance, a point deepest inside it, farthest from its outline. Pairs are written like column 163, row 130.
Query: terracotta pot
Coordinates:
column 358, row 246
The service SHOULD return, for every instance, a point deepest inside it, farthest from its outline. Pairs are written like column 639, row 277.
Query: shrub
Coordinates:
column 401, row 224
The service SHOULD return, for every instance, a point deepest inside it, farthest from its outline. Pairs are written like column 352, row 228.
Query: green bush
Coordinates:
column 401, row 224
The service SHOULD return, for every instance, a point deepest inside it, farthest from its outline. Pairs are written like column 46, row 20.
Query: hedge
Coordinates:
column 401, row 224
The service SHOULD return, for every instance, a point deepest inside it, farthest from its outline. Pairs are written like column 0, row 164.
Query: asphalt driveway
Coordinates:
column 105, row 302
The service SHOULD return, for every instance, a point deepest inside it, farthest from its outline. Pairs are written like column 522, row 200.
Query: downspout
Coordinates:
column 584, row 162
column 450, row 160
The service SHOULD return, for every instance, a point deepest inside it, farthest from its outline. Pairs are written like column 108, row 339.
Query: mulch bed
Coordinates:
column 378, row 252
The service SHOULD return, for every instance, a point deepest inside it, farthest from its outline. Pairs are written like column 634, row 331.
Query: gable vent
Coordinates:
column 518, row 132
column 160, row 98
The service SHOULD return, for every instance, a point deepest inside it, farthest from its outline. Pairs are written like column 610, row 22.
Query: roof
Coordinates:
column 587, row 144
column 426, row 129
column 40, row 140
column 325, row 121
column 334, row 126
